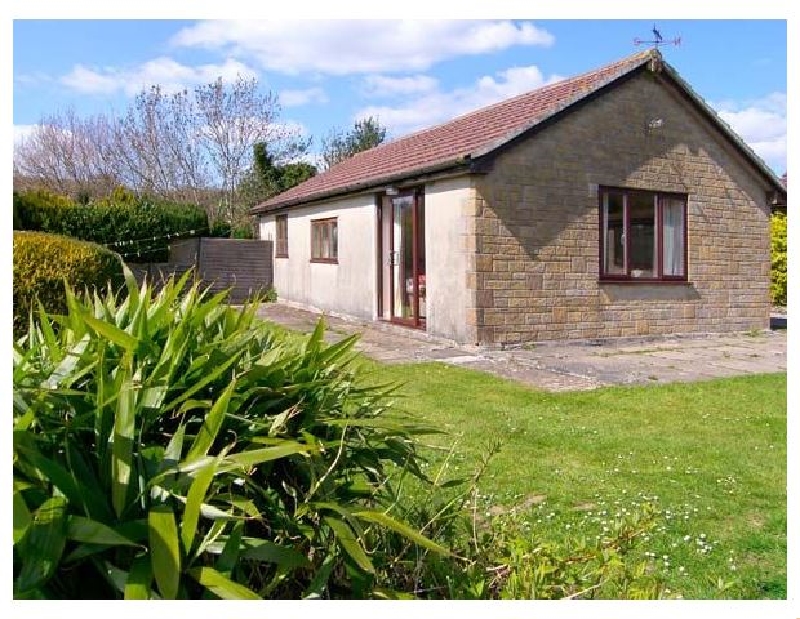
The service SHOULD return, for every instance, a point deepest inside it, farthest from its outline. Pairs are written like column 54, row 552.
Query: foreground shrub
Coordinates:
column 122, row 221
column 172, row 446
column 42, row 262
column 778, row 278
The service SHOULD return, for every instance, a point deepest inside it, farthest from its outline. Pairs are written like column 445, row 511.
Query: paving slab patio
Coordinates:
column 555, row 366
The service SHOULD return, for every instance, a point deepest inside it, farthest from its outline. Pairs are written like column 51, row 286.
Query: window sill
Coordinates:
column 645, row 282
column 281, row 255
column 324, row 261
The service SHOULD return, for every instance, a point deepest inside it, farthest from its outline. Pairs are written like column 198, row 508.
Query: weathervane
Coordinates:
column 658, row 40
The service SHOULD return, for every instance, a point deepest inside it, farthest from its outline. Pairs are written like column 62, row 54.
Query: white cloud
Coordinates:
column 342, row 47
column 172, row 76
column 293, row 98
column 384, row 86
column 762, row 124
column 437, row 106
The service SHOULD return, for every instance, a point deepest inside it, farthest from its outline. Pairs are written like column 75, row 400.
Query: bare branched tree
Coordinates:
column 235, row 117
column 185, row 146
column 157, row 145
column 68, row 154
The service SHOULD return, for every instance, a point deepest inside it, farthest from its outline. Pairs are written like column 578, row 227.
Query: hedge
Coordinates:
column 778, row 271
column 122, row 221
column 43, row 261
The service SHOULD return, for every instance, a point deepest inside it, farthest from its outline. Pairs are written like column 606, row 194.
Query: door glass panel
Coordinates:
column 421, row 257
column 614, row 234
column 403, row 269
column 643, row 246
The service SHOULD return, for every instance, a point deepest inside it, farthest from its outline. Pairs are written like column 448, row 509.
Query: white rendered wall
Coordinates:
column 347, row 287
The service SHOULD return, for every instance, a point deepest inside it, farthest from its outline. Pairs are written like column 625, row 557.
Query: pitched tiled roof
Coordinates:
column 449, row 142
column 457, row 141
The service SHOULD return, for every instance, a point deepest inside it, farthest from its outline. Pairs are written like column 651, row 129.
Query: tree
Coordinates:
column 266, row 179
column 338, row 146
column 158, row 146
column 68, row 154
column 233, row 118
column 187, row 146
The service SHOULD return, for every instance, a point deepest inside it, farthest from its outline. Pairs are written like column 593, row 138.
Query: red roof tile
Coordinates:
column 471, row 135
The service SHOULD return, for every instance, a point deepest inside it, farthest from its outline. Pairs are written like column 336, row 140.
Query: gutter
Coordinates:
column 455, row 165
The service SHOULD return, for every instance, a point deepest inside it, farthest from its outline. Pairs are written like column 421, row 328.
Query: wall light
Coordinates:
column 392, row 191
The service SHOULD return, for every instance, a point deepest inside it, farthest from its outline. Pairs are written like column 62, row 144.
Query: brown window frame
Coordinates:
column 327, row 225
column 658, row 197
column 281, row 241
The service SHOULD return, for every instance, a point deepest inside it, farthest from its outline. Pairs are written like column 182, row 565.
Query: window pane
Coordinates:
column 325, row 231
column 315, row 244
column 335, row 239
column 673, row 237
column 643, row 235
column 281, row 235
column 613, row 237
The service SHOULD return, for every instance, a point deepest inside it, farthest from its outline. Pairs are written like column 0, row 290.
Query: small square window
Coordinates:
column 324, row 240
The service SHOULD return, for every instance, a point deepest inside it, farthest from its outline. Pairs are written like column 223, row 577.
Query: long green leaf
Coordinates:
column 22, row 517
column 253, row 457
column 221, row 586
column 47, row 330
column 77, row 492
column 67, row 364
column 262, row 550
column 318, row 584
column 122, row 451
column 404, row 530
column 112, row 333
column 137, row 587
column 349, row 542
column 205, row 381
column 216, row 530
column 164, row 550
column 89, row 531
column 172, row 454
column 194, row 501
column 211, row 424
column 335, row 351
column 230, row 552
column 41, row 547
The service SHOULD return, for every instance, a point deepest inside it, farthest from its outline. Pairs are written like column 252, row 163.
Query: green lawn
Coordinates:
column 710, row 455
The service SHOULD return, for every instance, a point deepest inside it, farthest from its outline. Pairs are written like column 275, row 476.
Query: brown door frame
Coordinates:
column 415, row 321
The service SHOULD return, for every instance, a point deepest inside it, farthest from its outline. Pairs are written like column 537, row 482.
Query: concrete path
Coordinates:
column 556, row 367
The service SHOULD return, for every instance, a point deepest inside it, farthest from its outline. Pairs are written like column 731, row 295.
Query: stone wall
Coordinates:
column 533, row 226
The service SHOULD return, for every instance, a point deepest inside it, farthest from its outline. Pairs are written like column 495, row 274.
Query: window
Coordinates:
column 642, row 235
column 281, row 236
column 324, row 240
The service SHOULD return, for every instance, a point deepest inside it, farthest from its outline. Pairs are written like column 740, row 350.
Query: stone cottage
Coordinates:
column 615, row 203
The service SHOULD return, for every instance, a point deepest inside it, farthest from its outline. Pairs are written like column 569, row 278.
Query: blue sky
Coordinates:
column 410, row 74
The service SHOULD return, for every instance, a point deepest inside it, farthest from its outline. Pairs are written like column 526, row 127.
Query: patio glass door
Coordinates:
column 407, row 260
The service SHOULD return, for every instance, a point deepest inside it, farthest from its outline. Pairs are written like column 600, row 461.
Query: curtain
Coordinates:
column 673, row 237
